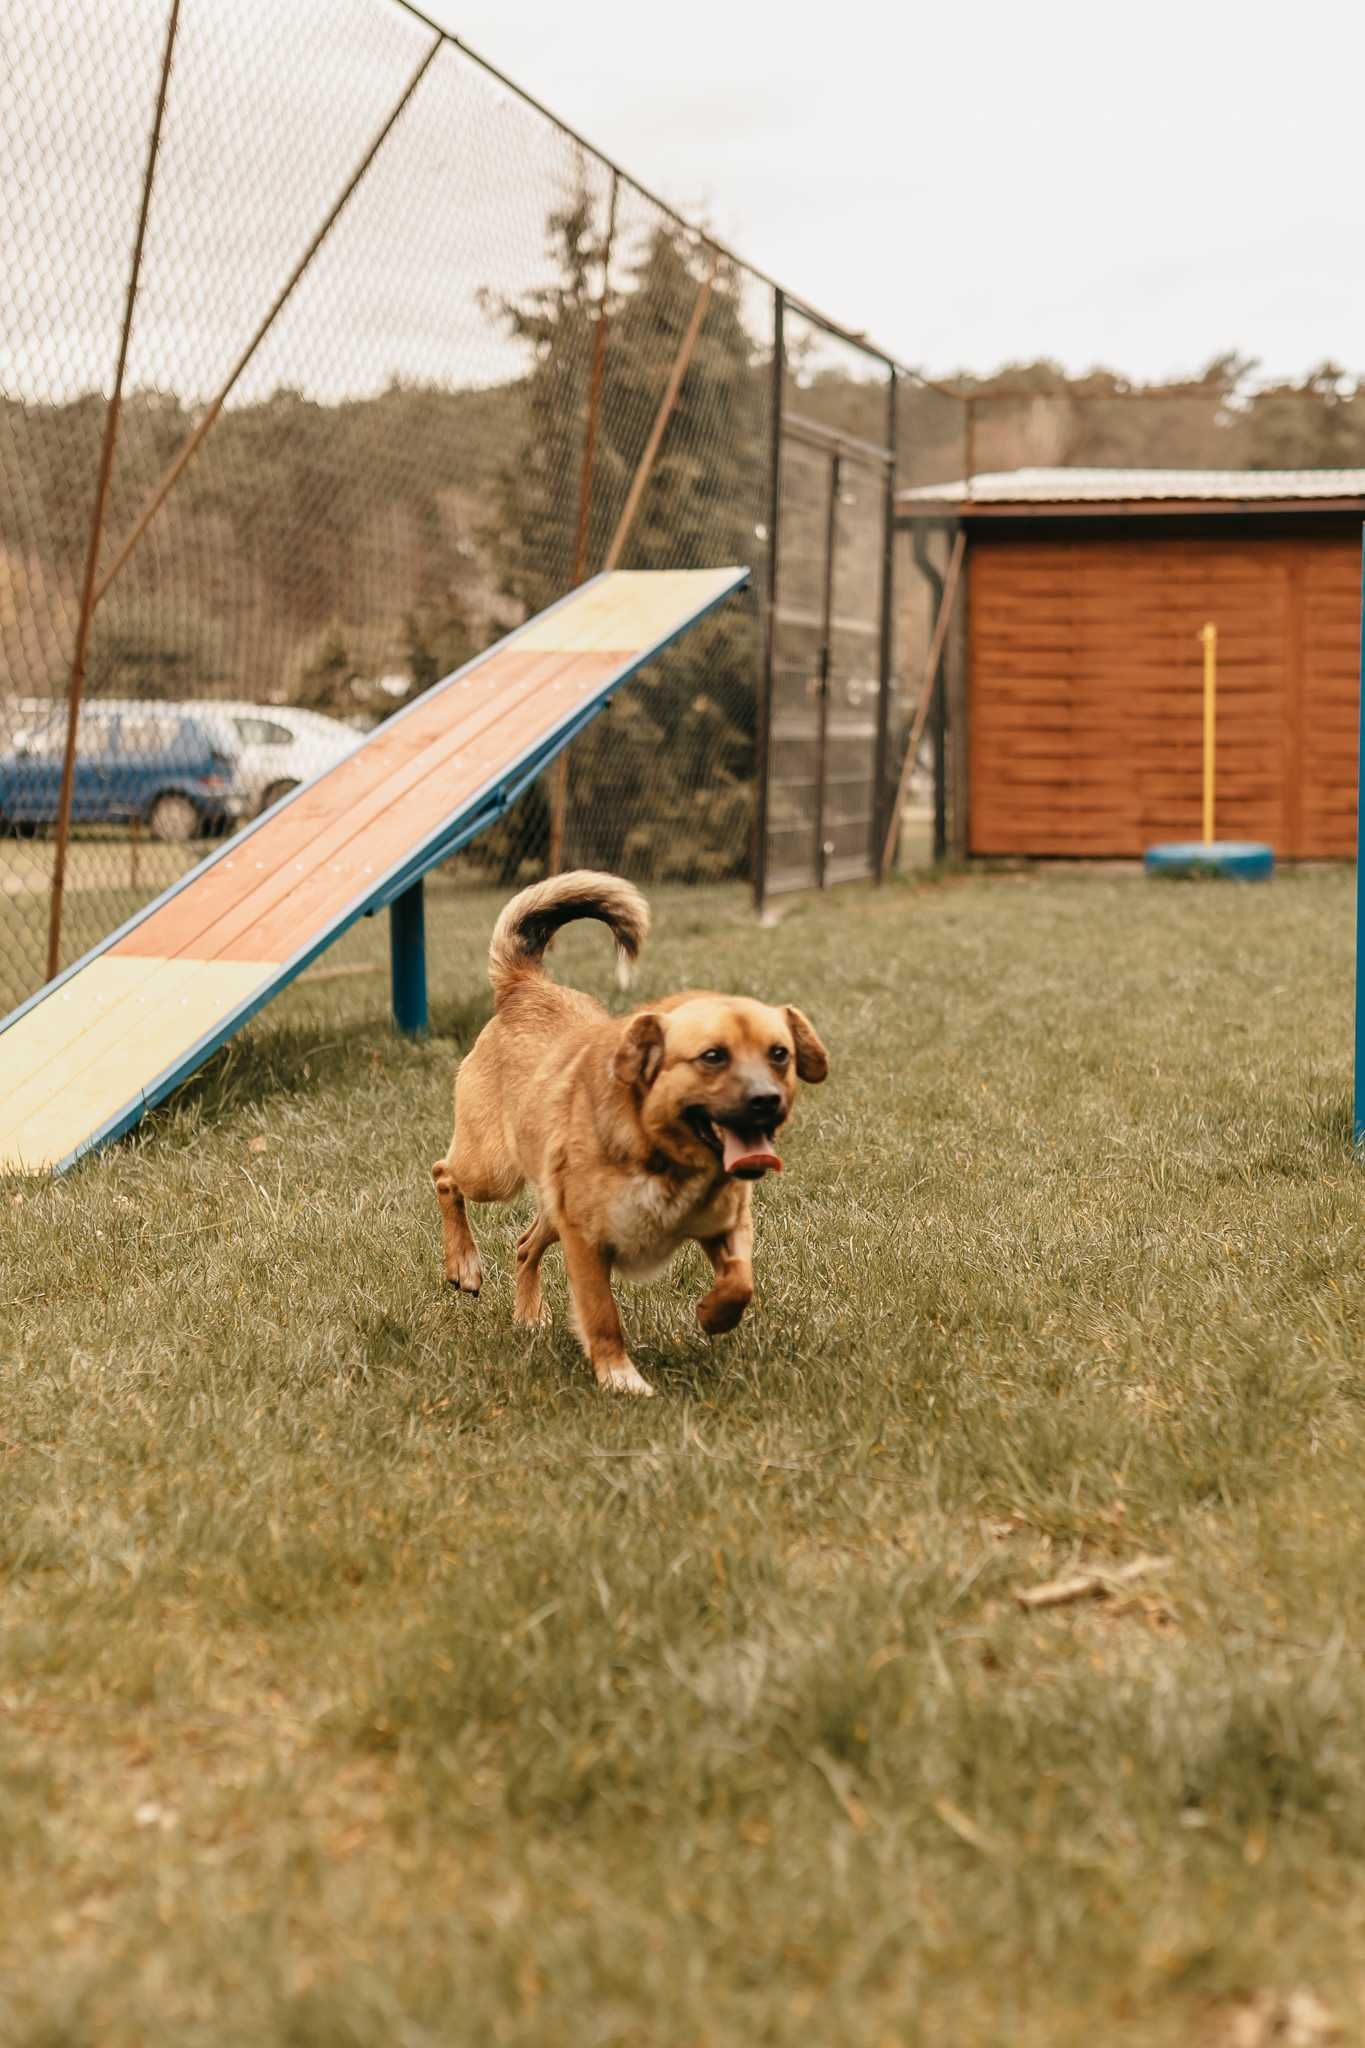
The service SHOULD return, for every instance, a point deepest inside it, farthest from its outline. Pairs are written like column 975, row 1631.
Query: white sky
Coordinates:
column 1138, row 187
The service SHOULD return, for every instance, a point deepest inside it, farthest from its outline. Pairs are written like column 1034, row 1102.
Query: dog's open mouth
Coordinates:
column 743, row 1150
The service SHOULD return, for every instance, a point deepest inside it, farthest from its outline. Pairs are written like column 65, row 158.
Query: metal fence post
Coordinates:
column 408, row 961
column 76, row 680
column 886, row 649
column 1358, row 1119
column 940, row 773
column 764, row 708
column 826, row 663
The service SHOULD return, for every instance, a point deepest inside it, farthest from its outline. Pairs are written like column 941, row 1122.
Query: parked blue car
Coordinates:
column 173, row 770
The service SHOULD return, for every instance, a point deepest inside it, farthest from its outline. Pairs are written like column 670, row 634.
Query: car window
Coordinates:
column 47, row 741
column 263, row 732
column 40, row 742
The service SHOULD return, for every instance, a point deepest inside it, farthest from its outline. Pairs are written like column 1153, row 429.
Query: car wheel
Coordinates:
column 275, row 792
column 173, row 818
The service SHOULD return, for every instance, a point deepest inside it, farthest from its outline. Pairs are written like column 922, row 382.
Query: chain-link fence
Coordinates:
column 832, row 688
column 396, row 346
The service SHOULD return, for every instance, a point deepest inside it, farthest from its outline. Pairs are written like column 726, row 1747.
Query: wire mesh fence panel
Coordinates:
column 833, row 646
column 855, row 653
column 64, row 189
column 662, row 786
column 406, row 360
column 794, row 777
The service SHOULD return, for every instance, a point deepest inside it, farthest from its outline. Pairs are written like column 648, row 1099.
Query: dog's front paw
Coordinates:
column 465, row 1273
column 718, row 1313
column 622, row 1379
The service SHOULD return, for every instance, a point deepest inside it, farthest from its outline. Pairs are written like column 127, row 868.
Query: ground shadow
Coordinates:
column 284, row 1060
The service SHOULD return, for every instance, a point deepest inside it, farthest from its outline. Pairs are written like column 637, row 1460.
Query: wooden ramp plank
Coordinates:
column 81, row 1061
column 293, row 872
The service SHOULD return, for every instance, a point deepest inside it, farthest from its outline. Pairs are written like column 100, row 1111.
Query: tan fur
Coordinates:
column 587, row 1109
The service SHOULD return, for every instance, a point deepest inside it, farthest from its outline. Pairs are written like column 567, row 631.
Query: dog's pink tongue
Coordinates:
column 748, row 1155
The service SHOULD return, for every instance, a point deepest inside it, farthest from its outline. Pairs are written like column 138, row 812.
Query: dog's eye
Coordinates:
column 779, row 1055
column 714, row 1056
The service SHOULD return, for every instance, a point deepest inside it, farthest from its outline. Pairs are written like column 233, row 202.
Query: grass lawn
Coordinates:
column 367, row 1679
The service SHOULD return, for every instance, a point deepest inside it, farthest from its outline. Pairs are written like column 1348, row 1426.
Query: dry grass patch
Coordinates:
column 366, row 1679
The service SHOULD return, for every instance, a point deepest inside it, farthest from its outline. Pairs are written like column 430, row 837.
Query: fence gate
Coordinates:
column 823, row 728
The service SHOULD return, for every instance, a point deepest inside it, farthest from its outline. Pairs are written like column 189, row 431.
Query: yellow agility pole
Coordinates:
column 1209, row 635
column 1248, row 860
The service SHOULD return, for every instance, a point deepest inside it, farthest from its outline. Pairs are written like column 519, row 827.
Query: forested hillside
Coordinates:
column 343, row 554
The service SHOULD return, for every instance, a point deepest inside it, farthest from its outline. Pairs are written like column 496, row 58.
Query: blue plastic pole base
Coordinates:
column 1238, row 860
column 408, row 961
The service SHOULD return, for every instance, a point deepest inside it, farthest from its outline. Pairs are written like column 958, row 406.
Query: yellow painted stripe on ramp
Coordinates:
column 626, row 610
column 97, row 1043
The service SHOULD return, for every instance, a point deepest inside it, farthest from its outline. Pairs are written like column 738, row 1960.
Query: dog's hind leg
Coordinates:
column 731, row 1259
column 532, row 1246
column 461, row 1254
column 471, row 1171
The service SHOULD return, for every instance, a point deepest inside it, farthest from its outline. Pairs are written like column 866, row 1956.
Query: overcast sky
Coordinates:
column 1139, row 187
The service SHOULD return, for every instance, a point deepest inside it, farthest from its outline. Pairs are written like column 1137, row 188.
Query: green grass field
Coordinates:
column 367, row 1679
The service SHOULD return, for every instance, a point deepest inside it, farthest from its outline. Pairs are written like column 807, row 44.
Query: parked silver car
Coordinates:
column 278, row 747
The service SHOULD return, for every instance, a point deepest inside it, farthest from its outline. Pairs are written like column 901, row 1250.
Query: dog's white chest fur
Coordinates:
column 651, row 1217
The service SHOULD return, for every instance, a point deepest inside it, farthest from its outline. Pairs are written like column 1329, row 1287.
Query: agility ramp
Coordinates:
column 82, row 1061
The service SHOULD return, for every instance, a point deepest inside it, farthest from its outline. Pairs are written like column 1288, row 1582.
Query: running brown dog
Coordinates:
column 636, row 1133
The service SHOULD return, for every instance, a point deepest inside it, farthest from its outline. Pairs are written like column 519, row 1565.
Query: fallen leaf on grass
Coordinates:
column 965, row 1828
column 1281, row 2019
column 840, row 1781
column 258, row 1144
column 1147, row 1608
column 1095, row 1584
column 152, row 1814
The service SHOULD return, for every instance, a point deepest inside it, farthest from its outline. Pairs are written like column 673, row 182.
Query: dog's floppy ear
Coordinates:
column 812, row 1061
column 640, row 1054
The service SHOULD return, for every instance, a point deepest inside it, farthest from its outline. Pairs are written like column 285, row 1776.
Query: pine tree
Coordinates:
column 662, row 784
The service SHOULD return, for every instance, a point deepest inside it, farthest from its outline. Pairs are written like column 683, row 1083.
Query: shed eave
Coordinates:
column 970, row 511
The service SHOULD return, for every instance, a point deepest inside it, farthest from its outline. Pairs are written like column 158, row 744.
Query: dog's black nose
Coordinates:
column 764, row 1105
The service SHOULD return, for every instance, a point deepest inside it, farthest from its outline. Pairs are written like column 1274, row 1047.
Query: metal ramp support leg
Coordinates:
column 408, row 961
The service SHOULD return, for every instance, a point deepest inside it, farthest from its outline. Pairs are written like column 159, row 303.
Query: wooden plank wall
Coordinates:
column 1086, row 712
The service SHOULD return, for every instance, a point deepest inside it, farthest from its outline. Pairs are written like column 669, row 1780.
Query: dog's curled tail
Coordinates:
column 530, row 921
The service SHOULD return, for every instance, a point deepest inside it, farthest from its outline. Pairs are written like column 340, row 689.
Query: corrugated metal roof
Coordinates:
column 1129, row 486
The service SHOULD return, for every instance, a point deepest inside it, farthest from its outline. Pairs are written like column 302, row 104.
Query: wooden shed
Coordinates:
column 1077, row 716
